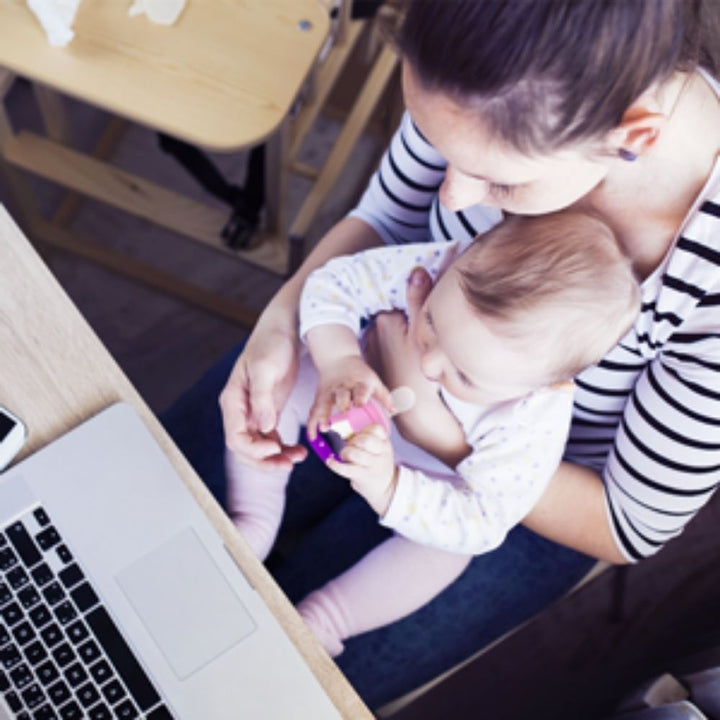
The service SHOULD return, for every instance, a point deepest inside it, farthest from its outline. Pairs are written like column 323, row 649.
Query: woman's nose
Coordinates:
column 458, row 191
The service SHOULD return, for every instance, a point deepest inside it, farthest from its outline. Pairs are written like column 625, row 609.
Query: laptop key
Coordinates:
column 71, row 711
column 8, row 558
column 12, row 613
column 51, row 634
column 13, row 700
column 71, row 575
column 101, row 671
column 159, row 713
column 113, row 691
column 63, row 654
column 100, row 712
column 4, row 682
column 125, row 711
column 89, row 651
column 64, row 554
column 87, row 695
column 24, row 544
column 48, row 538
column 42, row 574
column 75, row 674
column 77, row 632
column 35, row 652
column 41, row 516
column 40, row 616
column 122, row 657
column 17, row 577
column 28, row 597
column 23, row 633
column 59, row 692
column 33, row 696
column 44, row 713
column 84, row 597
column 65, row 612
column 47, row 673
column 21, row 676
column 4, row 635
column 5, row 594
column 53, row 593
column 9, row 656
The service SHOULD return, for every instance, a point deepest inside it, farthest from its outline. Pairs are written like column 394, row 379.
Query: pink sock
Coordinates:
column 392, row 581
column 255, row 502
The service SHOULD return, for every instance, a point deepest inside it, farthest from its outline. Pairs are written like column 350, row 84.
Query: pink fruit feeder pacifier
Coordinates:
column 328, row 444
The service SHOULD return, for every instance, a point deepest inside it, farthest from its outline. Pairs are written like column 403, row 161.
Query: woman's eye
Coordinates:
column 500, row 190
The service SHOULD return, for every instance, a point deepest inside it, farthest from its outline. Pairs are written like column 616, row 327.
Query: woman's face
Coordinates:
column 483, row 171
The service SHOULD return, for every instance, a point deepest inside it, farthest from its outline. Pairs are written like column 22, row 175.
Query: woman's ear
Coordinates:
column 637, row 132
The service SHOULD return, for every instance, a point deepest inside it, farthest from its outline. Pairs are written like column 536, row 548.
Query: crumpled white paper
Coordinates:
column 163, row 12
column 56, row 17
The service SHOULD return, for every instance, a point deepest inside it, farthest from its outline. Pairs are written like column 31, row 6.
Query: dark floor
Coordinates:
column 573, row 662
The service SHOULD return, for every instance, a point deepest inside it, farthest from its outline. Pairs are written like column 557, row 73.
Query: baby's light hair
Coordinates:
column 559, row 280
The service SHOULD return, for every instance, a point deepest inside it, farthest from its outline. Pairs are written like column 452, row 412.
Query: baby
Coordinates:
column 512, row 317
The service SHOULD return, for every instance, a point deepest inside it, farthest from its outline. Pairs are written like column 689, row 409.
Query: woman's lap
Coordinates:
column 331, row 528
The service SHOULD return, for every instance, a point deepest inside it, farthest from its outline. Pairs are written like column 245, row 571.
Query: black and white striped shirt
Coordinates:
column 647, row 418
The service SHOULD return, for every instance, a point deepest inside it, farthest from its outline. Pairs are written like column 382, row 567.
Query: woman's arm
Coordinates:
column 573, row 512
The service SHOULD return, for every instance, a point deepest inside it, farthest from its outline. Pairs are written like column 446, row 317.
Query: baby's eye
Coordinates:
column 464, row 379
column 500, row 190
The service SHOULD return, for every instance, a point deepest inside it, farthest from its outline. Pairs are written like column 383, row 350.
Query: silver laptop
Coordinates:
column 118, row 599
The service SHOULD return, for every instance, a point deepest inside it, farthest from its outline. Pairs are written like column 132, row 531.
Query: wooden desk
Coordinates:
column 223, row 77
column 56, row 373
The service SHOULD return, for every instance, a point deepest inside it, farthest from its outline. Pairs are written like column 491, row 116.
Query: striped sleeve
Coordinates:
column 648, row 416
column 665, row 463
column 399, row 198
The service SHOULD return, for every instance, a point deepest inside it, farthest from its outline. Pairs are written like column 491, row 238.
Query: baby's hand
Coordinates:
column 348, row 381
column 369, row 464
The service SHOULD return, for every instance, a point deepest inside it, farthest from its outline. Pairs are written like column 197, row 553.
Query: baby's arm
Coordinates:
column 334, row 301
column 494, row 488
column 344, row 378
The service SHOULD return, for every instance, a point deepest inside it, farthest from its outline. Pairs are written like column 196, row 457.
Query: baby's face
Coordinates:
column 470, row 356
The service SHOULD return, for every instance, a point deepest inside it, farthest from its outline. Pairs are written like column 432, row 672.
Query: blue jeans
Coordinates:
column 327, row 528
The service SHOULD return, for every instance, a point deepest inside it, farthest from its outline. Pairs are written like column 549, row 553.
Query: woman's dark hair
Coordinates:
column 546, row 73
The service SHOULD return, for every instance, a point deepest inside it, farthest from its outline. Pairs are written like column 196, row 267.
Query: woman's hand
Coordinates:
column 264, row 374
column 254, row 396
column 393, row 354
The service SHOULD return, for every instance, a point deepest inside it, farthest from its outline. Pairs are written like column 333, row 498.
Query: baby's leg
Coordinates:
column 392, row 581
column 255, row 499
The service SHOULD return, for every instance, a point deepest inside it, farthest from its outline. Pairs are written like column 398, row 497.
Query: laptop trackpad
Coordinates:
column 185, row 603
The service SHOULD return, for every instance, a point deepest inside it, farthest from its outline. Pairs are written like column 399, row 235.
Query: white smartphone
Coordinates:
column 12, row 437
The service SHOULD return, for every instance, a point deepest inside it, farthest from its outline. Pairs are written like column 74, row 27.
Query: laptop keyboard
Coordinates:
column 61, row 655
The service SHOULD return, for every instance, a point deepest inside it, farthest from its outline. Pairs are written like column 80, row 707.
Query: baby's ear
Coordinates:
column 419, row 285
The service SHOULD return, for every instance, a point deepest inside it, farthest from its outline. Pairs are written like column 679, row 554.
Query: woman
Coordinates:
column 528, row 108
